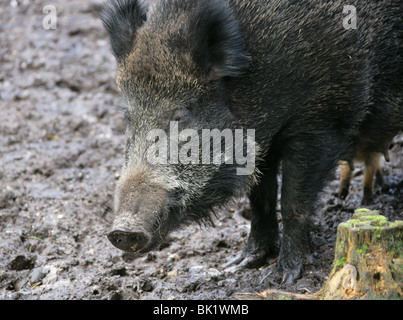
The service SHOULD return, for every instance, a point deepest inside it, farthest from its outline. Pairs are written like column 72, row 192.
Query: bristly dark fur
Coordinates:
column 121, row 19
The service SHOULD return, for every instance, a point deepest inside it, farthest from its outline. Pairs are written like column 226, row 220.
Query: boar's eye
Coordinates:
column 182, row 116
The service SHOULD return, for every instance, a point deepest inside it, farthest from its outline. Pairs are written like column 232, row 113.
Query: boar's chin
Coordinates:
column 176, row 219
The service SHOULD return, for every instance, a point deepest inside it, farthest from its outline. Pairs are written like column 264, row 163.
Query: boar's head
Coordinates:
column 173, row 59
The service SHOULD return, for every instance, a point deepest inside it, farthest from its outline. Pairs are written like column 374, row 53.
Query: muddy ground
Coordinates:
column 61, row 148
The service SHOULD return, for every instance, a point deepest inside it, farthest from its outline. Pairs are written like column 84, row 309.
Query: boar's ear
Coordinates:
column 121, row 19
column 219, row 48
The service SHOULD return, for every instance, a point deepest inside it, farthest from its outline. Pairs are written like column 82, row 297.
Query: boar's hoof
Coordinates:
column 367, row 200
column 289, row 275
column 248, row 260
column 343, row 193
column 128, row 241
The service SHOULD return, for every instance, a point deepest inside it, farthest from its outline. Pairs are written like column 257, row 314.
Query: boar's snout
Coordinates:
column 141, row 206
column 128, row 241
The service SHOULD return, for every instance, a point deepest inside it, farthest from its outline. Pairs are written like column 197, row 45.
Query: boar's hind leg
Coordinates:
column 263, row 240
column 345, row 179
column 306, row 167
column 372, row 168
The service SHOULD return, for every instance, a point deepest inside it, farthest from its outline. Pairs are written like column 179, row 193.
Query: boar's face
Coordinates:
column 172, row 59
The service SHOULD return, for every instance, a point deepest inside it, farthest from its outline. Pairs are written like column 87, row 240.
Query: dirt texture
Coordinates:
column 61, row 149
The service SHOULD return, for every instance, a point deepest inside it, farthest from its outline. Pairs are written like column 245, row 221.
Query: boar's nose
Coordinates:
column 127, row 240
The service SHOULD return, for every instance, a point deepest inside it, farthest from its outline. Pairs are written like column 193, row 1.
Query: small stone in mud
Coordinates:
column 37, row 275
column 213, row 273
column 196, row 271
column 173, row 273
column 173, row 257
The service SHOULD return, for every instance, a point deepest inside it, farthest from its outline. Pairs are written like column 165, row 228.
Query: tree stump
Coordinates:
column 368, row 261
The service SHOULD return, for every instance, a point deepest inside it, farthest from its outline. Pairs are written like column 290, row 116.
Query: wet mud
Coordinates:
column 61, row 149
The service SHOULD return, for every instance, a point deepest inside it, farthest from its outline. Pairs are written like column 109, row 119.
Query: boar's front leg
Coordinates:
column 306, row 166
column 263, row 240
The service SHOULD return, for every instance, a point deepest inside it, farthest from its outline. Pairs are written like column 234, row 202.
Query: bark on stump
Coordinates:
column 368, row 261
